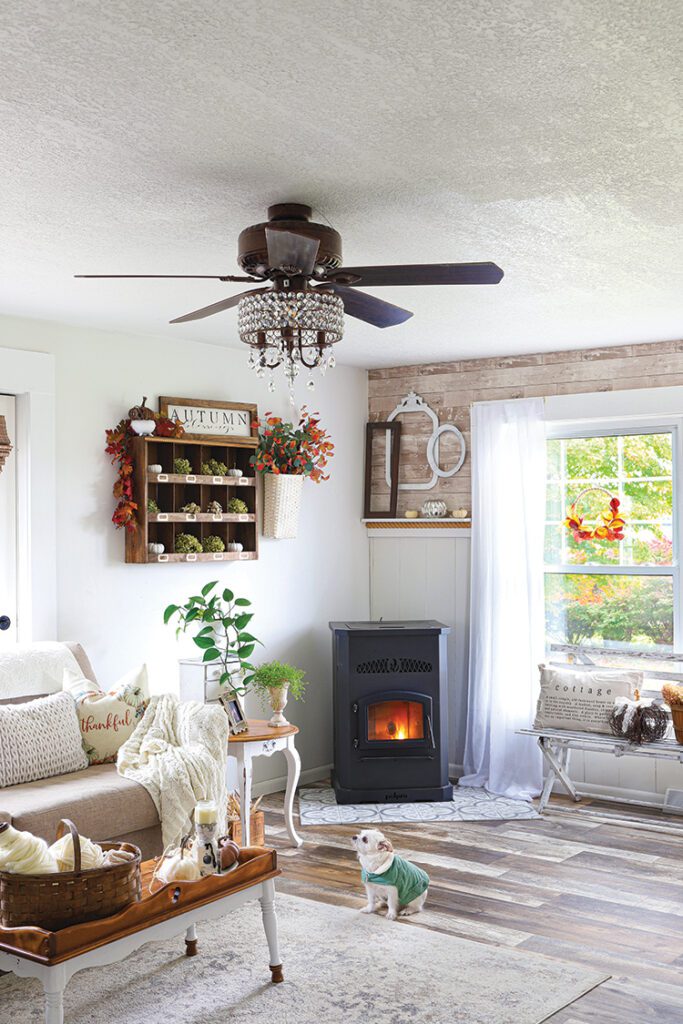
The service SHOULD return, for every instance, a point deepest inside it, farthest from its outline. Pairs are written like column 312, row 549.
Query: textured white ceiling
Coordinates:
column 142, row 136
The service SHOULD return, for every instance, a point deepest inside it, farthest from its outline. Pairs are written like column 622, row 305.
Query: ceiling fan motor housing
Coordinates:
column 252, row 251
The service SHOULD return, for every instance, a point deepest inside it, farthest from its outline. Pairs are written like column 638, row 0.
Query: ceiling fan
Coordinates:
column 297, row 313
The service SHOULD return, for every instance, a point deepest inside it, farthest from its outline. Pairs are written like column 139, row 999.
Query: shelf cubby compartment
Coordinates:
column 171, row 491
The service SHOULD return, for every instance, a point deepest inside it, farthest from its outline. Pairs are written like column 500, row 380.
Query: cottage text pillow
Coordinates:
column 39, row 739
column 108, row 719
column 579, row 700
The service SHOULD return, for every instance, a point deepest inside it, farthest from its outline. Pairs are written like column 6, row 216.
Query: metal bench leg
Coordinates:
column 549, row 780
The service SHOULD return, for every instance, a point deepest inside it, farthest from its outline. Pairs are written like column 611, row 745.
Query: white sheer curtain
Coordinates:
column 506, row 601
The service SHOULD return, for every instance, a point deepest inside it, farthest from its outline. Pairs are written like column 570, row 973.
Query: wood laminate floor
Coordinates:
column 586, row 883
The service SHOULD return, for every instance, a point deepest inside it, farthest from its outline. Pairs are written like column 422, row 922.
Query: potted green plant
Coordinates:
column 276, row 681
column 221, row 632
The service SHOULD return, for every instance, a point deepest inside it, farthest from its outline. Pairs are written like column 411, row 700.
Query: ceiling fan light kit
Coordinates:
column 295, row 320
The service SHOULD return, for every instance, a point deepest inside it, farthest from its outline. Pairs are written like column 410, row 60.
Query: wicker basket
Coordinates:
column 281, row 504
column 61, row 898
column 257, row 829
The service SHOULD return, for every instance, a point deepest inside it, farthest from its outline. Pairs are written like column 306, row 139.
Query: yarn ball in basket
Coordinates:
column 638, row 721
column 23, row 853
column 92, row 855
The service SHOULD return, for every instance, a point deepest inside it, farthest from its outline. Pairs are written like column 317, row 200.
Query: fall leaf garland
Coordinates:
column 118, row 446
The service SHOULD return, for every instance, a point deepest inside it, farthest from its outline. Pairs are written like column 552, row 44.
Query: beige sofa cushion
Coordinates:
column 40, row 739
column 102, row 804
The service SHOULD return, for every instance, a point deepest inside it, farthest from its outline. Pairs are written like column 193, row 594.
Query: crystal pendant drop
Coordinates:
column 310, row 384
column 331, row 363
column 271, row 385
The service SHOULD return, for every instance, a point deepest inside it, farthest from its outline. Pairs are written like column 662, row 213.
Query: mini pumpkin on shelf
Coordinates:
column 237, row 507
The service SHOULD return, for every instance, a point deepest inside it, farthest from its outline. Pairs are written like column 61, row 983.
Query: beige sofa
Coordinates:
column 103, row 805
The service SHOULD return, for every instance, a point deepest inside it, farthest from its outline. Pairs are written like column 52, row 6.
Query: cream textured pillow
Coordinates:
column 108, row 719
column 39, row 739
column 579, row 700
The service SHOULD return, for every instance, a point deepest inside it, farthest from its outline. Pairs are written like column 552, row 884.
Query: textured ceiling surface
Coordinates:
column 142, row 136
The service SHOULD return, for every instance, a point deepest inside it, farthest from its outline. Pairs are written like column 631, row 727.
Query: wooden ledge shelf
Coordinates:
column 205, row 556
column 201, row 478
column 418, row 524
column 201, row 517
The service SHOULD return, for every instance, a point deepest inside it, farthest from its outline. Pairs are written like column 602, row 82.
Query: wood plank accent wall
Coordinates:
column 450, row 389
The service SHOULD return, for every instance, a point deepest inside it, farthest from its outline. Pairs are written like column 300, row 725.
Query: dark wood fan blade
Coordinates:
column 422, row 273
column 177, row 277
column 369, row 308
column 291, row 253
column 215, row 307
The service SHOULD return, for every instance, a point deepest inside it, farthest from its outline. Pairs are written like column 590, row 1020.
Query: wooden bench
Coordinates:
column 556, row 744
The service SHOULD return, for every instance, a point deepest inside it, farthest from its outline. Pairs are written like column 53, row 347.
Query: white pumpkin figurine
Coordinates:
column 234, row 545
column 235, row 472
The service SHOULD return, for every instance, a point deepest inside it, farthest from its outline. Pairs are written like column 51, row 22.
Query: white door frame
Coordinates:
column 30, row 376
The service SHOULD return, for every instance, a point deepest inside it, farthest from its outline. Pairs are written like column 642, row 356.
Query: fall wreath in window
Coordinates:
column 610, row 522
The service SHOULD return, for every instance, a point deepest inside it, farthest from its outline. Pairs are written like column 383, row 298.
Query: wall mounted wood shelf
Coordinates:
column 171, row 491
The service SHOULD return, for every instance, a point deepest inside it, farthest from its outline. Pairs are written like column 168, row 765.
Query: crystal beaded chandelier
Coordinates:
column 292, row 329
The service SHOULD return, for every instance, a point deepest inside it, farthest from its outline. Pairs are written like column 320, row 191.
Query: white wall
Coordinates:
column 296, row 586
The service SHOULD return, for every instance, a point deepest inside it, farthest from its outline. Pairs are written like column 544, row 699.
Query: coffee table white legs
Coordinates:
column 54, row 983
column 293, row 772
column 244, row 753
column 267, row 901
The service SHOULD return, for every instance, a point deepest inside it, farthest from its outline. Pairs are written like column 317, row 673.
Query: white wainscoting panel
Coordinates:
column 425, row 575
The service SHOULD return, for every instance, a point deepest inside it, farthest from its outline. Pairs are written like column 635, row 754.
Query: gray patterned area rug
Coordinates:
column 340, row 967
column 319, row 807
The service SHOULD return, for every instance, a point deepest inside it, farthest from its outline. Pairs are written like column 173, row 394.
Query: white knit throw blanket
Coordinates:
column 179, row 753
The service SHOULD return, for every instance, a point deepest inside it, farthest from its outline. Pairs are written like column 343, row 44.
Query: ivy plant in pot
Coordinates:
column 276, row 681
column 286, row 454
column 221, row 633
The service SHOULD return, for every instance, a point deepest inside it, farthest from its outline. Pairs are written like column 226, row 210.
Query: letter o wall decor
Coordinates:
column 413, row 403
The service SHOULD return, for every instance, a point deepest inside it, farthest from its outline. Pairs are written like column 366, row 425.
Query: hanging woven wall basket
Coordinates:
column 610, row 525
column 281, row 504
column 5, row 446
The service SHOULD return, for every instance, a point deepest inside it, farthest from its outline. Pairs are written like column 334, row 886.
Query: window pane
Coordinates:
column 592, row 458
column 647, row 455
column 624, row 612
column 649, row 544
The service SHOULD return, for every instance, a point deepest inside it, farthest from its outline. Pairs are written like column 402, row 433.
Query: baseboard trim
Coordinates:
column 637, row 797
column 279, row 784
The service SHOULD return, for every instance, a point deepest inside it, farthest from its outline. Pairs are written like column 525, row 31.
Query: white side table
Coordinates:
column 262, row 740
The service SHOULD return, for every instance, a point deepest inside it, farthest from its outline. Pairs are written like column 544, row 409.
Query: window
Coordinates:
column 613, row 595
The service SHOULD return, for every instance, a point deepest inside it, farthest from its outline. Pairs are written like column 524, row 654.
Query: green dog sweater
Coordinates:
column 410, row 880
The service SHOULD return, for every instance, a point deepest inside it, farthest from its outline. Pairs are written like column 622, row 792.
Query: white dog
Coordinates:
column 389, row 878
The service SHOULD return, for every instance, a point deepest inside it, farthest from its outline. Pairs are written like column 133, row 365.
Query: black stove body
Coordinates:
column 390, row 712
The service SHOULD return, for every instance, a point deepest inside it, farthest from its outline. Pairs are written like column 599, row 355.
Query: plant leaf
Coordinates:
column 247, row 638
column 204, row 641
column 211, row 654
column 243, row 620
column 242, row 602
column 244, row 652
column 228, row 595
column 208, row 587
column 170, row 611
column 205, row 631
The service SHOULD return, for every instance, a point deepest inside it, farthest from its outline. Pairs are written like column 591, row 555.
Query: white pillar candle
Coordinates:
column 205, row 813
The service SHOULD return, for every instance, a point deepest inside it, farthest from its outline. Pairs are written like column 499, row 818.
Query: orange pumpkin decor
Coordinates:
column 611, row 522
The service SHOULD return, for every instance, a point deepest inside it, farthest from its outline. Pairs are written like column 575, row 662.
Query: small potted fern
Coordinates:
column 276, row 681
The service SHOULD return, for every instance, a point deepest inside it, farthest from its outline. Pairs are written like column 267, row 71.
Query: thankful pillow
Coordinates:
column 107, row 719
column 582, row 701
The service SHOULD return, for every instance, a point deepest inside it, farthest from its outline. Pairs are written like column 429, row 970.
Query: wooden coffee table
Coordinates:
column 54, row 957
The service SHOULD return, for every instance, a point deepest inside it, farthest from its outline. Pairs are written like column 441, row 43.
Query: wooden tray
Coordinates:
column 255, row 865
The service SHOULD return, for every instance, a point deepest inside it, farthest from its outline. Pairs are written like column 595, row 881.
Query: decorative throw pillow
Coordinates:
column 39, row 739
column 108, row 719
column 582, row 701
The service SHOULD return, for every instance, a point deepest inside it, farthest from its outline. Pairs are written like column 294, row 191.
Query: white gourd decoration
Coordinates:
column 92, row 855
column 23, row 853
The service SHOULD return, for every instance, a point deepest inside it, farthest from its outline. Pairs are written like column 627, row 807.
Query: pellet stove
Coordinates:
column 390, row 712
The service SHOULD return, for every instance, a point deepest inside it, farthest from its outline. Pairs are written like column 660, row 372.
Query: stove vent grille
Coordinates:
column 393, row 666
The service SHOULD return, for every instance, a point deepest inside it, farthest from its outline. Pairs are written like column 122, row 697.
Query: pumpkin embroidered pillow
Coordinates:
column 108, row 719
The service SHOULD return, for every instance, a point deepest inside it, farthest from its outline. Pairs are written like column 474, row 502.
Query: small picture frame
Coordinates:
column 234, row 709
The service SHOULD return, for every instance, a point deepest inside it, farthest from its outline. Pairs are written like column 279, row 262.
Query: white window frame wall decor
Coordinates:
column 412, row 403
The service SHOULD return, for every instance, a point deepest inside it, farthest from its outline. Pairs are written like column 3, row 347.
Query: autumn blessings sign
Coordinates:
column 203, row 419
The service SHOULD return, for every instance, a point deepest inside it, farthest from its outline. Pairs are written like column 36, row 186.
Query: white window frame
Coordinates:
column 619, row 427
